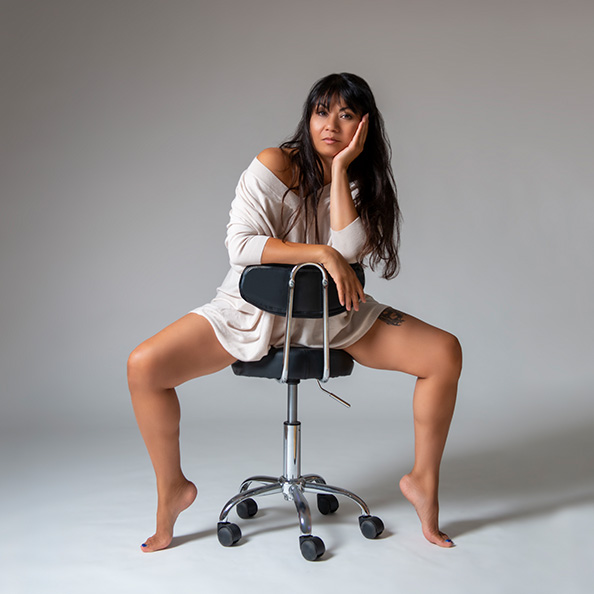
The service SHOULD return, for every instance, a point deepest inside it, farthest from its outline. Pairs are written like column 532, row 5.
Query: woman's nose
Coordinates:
column 332, row 123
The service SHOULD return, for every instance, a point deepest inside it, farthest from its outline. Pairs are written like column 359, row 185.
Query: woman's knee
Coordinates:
column 450, row 355
column 142, row 366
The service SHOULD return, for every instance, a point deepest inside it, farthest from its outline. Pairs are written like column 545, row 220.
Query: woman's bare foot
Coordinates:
column 168, row 509
column 427, row 508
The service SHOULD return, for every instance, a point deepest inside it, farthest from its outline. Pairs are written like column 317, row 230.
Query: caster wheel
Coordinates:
column 228, row 533
column 312, row 547
column 371, row 526
column 327, row 504
column 247, row 509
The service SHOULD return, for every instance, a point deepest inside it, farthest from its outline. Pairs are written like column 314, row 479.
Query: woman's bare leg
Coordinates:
column 186, row 349
column 402, row 343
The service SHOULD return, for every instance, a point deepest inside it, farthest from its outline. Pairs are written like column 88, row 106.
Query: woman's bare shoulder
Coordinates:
column 278, row 162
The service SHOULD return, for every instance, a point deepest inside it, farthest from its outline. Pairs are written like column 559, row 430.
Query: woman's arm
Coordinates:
column 348, row 286
column 277, row 251
column 342, row 207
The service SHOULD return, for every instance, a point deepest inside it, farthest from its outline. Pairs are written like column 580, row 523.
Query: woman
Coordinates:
column 327, row 195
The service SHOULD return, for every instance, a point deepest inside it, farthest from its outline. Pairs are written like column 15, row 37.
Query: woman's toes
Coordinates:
column 155, row 544
column 440, row 539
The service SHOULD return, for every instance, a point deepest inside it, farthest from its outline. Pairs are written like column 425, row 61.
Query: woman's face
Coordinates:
column 332, row 128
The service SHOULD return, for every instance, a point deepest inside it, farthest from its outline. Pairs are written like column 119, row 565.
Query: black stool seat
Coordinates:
column 304, row 363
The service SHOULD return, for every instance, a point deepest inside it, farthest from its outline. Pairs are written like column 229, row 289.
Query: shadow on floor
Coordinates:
column 545, row 473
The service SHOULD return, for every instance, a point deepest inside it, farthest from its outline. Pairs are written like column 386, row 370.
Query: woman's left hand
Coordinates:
column 349, row 288
column 346, row 156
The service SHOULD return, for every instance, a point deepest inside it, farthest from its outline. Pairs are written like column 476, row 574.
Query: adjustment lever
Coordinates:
column 338, row 398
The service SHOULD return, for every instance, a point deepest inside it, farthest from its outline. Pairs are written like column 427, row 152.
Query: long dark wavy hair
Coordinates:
column 376, row 197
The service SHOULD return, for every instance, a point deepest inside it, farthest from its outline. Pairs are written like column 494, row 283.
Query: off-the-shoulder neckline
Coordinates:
column 277, row 179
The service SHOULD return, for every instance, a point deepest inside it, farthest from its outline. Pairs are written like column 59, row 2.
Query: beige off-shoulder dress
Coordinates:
column 257, row 213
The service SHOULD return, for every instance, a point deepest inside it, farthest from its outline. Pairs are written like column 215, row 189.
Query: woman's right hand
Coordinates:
column 349, row 288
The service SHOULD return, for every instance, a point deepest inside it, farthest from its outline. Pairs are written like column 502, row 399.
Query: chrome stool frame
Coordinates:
column 292, row 484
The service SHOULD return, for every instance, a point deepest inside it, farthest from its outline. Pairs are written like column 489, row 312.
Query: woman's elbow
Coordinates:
column 350, row 255
column 246, row 251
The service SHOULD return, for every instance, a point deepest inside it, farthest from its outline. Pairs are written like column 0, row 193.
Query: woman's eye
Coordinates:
column 347, row 116
column 321, row 112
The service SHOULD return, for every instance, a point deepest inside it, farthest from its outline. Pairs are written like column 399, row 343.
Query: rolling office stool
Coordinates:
column 294, row 291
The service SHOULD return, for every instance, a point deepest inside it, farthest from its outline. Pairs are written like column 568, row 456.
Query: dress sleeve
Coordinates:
column 251, row 221
column 349, row 241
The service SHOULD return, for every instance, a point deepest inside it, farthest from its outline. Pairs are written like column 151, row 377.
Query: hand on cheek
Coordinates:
column 355, row 147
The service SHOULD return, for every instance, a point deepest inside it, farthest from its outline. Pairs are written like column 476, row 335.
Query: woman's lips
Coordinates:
column 329, row 140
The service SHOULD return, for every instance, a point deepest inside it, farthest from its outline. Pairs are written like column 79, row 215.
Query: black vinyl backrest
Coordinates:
column 267, row 287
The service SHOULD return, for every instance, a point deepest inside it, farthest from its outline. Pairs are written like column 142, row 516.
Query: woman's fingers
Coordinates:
column 362, row 130
column 356, row 145
column 358, row 295
column 361, row 134
column 350, row 291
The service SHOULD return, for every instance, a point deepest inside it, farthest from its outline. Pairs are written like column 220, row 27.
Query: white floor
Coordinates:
column 75, row 508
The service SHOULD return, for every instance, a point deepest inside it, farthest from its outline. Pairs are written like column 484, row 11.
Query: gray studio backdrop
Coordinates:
column 126, row 124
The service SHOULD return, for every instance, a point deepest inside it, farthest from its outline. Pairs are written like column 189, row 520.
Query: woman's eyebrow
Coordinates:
column 327, row 106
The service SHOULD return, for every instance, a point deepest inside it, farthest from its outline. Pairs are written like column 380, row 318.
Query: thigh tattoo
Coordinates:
column 392, row 316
